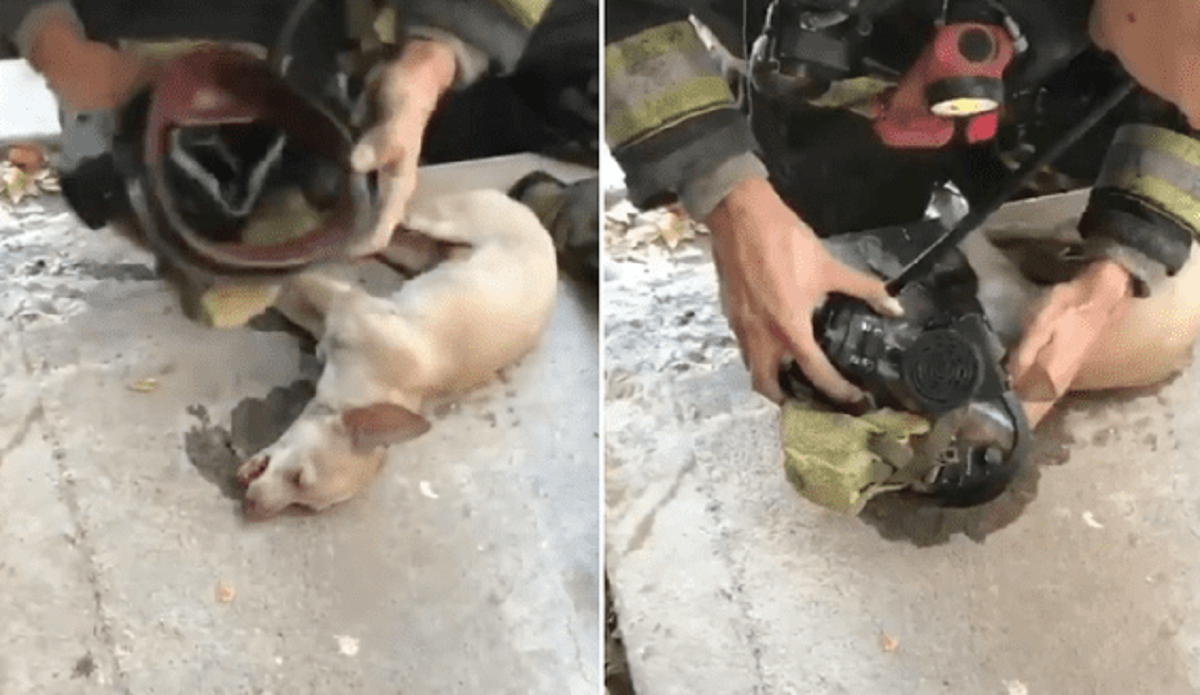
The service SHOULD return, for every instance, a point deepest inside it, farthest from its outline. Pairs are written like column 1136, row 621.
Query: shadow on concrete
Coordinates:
column 255, row 423
column 209, row 447
column 911, row 518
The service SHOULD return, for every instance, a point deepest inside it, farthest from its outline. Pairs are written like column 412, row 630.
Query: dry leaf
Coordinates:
column 144, row 385
column 888, row 643
column 28, row 158
column 672, row 232
column 48, row 181
column 16, row 184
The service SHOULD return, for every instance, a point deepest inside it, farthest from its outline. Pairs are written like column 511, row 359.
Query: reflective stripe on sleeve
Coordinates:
column 658, row 78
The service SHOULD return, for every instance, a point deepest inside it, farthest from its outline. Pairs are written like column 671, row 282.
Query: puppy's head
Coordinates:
column 324, row 459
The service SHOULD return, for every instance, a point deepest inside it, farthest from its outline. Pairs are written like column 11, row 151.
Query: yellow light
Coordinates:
column 964, row 106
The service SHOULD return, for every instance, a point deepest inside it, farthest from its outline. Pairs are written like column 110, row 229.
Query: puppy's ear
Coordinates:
column 382, row 424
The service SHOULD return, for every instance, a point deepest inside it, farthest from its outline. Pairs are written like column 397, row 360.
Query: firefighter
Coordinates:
column 82, row 49
column 679, row 131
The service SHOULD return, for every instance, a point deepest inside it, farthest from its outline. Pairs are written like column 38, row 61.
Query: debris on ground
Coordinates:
column 888, row 643
column 347, row 645
column 144, row 386
column 24, row 174
column 225, row 593
column 26, row 157
column 626, row 228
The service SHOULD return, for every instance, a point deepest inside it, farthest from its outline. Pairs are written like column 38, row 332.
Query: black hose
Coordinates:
column 282, row 49
column 1008, row 189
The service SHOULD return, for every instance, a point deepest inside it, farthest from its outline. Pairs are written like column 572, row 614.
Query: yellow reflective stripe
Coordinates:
column 385, row 25
column 666, row 108
column 527, row 13
column 656, row 79
column 1170, row 142
column 360, row 14
column 1169, row 199
column 625, row 56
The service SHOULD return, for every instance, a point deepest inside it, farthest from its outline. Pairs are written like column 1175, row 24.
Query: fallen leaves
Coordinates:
column 24, row 174
column 27, row 158
column 144, row 386
column 627, row 228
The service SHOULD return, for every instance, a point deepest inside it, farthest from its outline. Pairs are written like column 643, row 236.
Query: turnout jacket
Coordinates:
column 488, row 36
column 671, row 119
column 674, row 125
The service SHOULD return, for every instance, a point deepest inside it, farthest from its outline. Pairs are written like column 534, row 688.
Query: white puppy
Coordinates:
column 445, row 331
column 1148, row 343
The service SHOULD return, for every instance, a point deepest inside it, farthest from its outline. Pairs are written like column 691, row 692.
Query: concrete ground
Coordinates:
column 1084, row 579
column 471, row 565
column 30, row 111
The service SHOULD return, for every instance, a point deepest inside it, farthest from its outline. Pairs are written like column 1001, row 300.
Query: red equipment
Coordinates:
column 957, row 78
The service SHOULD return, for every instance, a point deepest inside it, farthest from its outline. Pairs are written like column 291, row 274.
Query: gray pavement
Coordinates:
column 1084, row 579
column 470, row 566
column 30, row 111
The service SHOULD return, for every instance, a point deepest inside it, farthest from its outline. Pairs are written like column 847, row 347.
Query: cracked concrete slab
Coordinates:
column 1082, row 579
column 470, row 566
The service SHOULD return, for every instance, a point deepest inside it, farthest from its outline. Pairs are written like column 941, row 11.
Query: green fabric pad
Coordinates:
column 828, row 458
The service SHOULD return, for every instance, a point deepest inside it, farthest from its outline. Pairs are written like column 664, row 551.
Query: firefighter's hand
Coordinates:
column 85, row 75
column 1062, row 329
column 774, row 274
column 407, row 94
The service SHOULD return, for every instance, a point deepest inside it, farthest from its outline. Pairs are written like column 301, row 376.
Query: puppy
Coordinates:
column 1149, row 343
column 447, row 330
